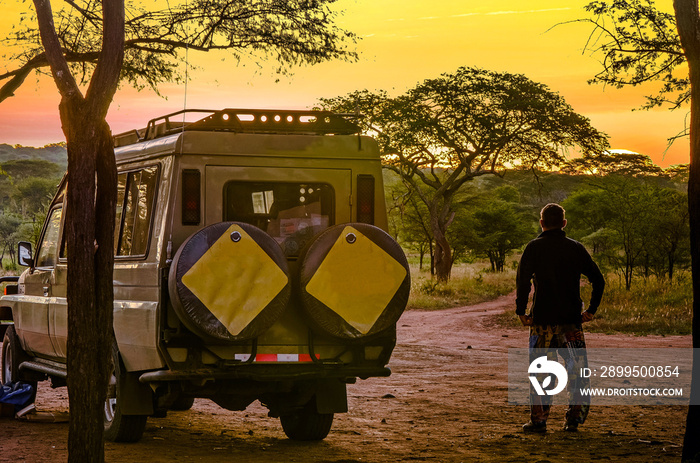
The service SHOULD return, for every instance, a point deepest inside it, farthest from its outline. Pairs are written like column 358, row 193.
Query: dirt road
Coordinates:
column 446, row 401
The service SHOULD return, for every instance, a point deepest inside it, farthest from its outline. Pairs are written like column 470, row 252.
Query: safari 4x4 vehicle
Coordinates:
column 251, row 264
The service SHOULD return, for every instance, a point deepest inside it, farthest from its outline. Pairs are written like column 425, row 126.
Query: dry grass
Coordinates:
column 652, row 306
column 469, row 284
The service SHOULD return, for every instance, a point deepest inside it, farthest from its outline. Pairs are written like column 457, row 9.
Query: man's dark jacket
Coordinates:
column 555, row 263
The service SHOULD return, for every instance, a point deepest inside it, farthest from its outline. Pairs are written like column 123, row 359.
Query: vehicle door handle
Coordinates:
column 46, row 291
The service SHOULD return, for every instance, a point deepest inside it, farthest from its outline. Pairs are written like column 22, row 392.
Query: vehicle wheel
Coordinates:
column 12, row 357
column 120, row 427
column 307, row 424
column 182, row 403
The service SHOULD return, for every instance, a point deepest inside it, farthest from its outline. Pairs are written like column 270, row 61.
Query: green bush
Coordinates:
column 10, row 266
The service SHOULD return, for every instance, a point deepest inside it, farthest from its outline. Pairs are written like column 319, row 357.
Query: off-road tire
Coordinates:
column 12, row 357
column 182, row 404
column 307, row 424
column 120, row 427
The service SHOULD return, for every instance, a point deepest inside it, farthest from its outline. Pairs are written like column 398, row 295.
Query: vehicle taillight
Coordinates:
column 191, row 202
column 365, row 199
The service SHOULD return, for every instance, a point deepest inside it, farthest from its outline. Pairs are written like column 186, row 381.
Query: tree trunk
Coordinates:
column 443, row 255
column 688, row 21
column 629, row 269
column 443, row 252
column 89, row 224
column 90, row 207
column 671, row 264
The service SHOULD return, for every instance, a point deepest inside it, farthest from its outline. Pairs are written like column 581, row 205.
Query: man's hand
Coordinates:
column 586, row 316
column 526, row 320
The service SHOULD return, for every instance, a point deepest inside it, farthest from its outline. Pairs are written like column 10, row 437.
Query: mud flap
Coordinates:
column 331, row 397
column 139, row 395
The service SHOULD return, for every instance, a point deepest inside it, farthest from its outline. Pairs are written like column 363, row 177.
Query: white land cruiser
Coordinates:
column 252, row 263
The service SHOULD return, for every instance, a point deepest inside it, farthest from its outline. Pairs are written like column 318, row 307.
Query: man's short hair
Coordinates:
column 552, row 216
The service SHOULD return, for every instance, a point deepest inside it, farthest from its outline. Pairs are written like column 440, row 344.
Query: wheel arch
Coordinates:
column 5, row 319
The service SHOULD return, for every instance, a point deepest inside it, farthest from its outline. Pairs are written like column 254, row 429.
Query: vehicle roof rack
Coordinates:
column 282, row 121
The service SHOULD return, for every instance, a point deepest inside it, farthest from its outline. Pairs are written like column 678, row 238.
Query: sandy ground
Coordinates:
column 446, row 401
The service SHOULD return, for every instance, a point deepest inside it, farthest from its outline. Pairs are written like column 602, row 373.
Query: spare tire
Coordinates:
column 354, row 281
column 229, row 282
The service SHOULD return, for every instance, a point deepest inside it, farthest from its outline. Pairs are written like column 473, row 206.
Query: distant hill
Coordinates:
column 55, row 153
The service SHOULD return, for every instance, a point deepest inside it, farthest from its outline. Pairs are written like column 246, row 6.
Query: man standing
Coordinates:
column 556, row 264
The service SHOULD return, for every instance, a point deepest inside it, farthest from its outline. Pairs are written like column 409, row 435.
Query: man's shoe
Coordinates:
column 531, row 427
column 571, row 426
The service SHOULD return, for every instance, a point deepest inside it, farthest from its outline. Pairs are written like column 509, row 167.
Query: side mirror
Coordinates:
column 24, row 254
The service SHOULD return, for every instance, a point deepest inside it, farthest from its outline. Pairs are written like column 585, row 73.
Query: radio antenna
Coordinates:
column 187, row 69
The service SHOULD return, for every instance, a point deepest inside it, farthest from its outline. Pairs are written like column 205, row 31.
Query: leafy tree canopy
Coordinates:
column 452, row 129
column 24, row 168
column 638, row 43
column 290, row 32
column 632, row 164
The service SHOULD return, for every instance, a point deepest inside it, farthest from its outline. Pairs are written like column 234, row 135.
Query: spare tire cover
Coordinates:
column 229, row 282
column 354, row 281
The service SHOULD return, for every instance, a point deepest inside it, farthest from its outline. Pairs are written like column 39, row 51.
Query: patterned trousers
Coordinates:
column 568, row 342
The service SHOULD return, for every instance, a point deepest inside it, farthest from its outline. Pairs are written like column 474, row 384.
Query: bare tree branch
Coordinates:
column 61, row 73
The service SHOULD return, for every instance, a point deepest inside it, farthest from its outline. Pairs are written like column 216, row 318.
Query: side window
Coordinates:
column 135, row 202
column 48, row 246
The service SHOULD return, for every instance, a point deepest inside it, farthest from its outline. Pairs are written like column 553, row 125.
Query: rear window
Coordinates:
column 291, row 213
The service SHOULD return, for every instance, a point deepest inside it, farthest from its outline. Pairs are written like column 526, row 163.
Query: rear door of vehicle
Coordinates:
column 281, row 201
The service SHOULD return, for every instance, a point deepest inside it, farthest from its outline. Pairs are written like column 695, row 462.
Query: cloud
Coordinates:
column 526, row 11
column 494, row 13
column 620, row 151
column 465, row 15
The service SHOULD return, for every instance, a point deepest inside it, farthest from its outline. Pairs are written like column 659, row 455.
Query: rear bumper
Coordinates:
column 267, row 373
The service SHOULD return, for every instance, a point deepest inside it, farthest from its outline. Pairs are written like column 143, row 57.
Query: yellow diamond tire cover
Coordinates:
column 229, row 282
column 354, row 281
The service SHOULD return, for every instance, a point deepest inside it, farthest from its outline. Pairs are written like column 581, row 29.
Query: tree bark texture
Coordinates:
column 443, row 252
column 90, row 206
column 688, row 21
column 89, row 226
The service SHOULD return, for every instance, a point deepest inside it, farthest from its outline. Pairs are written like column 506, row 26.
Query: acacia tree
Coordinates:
column 499, row 225
column 89, row 223
column 670, row 228
column 413, row 222
column 292, row 32
column 640, row 44
column 623, row 208
column 637, row 44
column 688, row 19
column 452, row 129
column 289, row 33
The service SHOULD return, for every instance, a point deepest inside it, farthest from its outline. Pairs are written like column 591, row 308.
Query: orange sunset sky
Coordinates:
column 402, row 43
